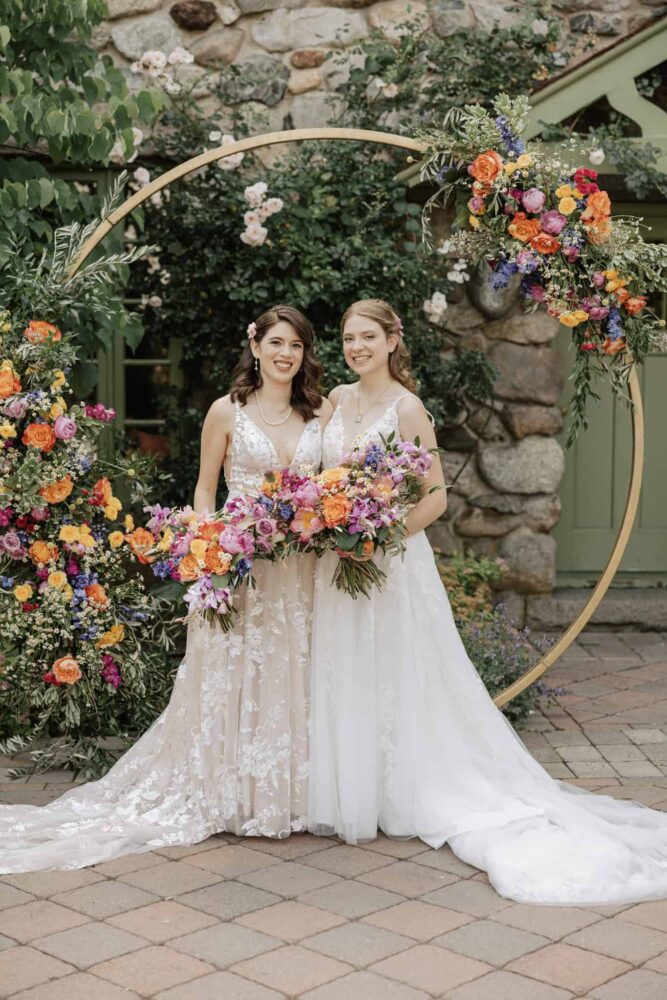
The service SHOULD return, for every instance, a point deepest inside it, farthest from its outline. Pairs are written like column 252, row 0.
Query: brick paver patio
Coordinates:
column 308, row 917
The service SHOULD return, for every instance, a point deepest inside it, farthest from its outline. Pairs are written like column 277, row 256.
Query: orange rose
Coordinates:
column 37, row 332
column 39, row 436
column 612, row 347
column 66, row 670
column 216, row 560
column 544, row 243
column 97, row 595
column 58, row 491
column 486, row 166
column 599, row 231
column 522, row 228
column 140, row 542
column 368, row 548
column 9, row 384
column 42, row 552
column 188, row 568
column 331, row 478
column 634, row 304
column 597, row 206
column 621, row 295
column 210, row 530
column 335, row 510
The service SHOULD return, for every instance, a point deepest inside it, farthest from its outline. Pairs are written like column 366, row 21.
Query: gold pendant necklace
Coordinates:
column 360, row 415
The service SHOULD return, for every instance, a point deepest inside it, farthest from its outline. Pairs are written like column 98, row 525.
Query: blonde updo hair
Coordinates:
column 382, row 313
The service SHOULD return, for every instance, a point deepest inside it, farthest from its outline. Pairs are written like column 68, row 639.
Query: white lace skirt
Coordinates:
column 405, row 738
column 229, row 753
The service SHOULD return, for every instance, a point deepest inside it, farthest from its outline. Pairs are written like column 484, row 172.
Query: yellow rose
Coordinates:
column 23, row 592
column 129, row 522
column 564, row 191
column 86, row 538
column 112, row 509
column 524, row 160
column 114, row 635
column 511, row 167
column 473, row 221
column 58, row 380
column 116, row 539
column 165, row 541
column 198, row 547
column 7, row 430
column 57, row 579
column 567, row 205
column 67, row 591
column 573, row 318
column 56, row 411
column 69, row 533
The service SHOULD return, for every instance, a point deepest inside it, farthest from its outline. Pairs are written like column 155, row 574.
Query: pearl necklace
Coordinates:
column 271, row 423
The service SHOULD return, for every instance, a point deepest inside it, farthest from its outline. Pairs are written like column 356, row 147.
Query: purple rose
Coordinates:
column 266, row 526
column 64, row 428
column 12, row 545
column 571, row 254
column 598, row 312
column 599, row 279
column 533, row 200
column 16, row 407
column 552, row 222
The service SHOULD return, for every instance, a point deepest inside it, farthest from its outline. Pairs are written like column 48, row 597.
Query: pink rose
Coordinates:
column 537, row 293
column 64, row 428
column 307, row 494
column 266, row 526
column 40, row 513
column 533, row 200
column 599, row 279
column 552, row 222
column 16, row 408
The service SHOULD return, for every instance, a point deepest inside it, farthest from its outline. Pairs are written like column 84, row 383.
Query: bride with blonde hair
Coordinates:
column 404, row 736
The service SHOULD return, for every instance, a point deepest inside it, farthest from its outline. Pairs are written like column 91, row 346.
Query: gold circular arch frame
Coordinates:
column 389, row 139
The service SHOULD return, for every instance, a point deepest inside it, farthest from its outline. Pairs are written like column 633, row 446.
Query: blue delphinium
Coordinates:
column 614, row 324
column 513, row 144
column 243, row 567
column 500, row 278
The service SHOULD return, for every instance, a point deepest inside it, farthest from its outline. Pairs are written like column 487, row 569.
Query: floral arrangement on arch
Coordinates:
column 536, row 220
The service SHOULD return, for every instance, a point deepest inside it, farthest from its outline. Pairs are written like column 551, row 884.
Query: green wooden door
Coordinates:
column 595, row 484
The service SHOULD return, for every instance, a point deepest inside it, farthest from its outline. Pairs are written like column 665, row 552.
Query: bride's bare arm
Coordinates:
column 215, row 437
column 414, row 423
column 325, row 412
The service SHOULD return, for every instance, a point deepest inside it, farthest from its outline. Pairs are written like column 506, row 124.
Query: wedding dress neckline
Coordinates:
column 338, row 414
column 297, row 450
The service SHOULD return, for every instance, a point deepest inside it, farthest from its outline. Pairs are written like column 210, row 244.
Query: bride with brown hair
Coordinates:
column 230, row 751
column 404, row 736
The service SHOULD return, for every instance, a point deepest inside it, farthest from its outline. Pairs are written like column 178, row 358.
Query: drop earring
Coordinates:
column 257, row 369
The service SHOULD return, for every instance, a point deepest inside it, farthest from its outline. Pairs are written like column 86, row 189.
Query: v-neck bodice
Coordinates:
column 253, row 453
column 334, row 447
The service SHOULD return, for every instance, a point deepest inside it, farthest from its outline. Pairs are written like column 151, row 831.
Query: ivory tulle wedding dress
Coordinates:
column 230, row 751
column 405, row 738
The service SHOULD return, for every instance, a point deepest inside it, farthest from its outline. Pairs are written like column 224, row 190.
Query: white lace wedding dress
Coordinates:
column 230, row 751
column 405, row 738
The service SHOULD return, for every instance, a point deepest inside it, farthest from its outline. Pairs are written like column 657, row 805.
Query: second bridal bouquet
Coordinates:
column 211, row 555
column 355, row 510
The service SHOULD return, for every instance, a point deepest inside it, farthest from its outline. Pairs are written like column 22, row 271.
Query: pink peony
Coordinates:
column 16, row 408
column 533, row 200
column 552, row 222
column 307, row 494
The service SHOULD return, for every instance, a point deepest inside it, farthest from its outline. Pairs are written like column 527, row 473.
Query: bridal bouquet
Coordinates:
column 355, row 509
column 210, row 554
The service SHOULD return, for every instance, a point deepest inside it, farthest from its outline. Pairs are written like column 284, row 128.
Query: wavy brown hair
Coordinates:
column 382, row 313
column 306, row 394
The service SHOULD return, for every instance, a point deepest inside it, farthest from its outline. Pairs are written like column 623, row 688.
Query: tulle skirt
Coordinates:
column 405, row 738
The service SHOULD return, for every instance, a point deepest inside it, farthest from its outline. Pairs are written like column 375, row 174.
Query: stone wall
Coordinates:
column 285, row 41
column 504, row 461
column 505, row 464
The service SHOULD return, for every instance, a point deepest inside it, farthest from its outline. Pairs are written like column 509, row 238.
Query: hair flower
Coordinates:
column 399, row 324
column 252, row 331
